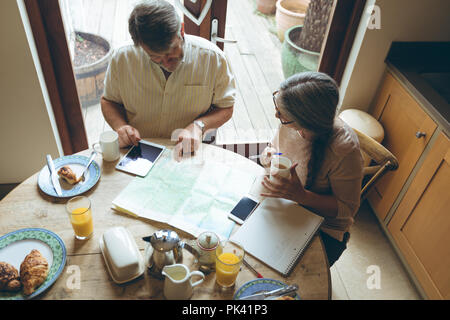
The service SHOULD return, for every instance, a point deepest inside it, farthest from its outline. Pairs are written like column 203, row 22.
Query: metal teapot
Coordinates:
column 164, row 248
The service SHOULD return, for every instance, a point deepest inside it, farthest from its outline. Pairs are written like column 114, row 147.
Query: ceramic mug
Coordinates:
column 280, row 166
column 109, row 145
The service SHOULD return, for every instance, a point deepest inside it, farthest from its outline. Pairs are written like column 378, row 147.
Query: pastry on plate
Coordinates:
column 9, row 278
column 67, row 174
column 33, row 271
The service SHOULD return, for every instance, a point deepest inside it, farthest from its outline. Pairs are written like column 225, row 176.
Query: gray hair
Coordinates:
column 154, row 23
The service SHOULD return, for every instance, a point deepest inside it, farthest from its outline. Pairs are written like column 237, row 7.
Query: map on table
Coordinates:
column 190, row 195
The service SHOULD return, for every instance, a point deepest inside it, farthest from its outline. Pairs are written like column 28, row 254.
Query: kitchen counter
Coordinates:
column 424, row 68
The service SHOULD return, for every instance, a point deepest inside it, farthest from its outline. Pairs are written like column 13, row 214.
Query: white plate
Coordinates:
column 77, row 164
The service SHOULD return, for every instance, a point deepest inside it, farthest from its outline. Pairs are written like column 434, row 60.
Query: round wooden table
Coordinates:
column 28, row 207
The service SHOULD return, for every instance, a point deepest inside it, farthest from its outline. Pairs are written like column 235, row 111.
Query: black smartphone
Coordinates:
column 243, row 209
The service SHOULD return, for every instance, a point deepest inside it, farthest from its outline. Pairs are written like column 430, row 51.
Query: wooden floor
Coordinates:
column 255, row 61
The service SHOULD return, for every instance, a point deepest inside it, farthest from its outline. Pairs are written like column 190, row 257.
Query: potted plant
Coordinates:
column 295, row 59
column 90, row 55
column 266, row 6
column 289, row 13
column 302, row 44
column 91, row 59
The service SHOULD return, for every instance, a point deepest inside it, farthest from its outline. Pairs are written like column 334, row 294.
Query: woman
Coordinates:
column 327, row 165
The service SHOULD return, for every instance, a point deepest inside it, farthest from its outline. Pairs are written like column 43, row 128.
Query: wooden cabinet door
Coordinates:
column 401, row 117
column 421, row 224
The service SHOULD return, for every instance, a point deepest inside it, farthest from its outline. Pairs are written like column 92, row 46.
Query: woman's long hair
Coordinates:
column 311, row 99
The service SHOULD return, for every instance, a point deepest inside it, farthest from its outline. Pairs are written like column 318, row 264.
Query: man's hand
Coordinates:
column 188, row 141
column 128, row 136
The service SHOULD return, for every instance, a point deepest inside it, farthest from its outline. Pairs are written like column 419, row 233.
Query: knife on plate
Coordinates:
column 274, row 293
column 53, row 175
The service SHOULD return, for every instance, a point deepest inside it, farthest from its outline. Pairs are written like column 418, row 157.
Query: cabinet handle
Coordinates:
column 420, row 134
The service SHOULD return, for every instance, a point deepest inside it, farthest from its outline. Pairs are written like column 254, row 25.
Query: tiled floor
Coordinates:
column 370, row 269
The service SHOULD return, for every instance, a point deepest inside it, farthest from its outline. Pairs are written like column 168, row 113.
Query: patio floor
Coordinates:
column 255, row 61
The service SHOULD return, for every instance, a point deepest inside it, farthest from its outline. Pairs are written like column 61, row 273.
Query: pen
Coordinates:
column 259, row 155
column 252, row 269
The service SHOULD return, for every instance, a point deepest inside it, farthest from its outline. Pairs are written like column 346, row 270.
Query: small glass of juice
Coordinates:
column 229, row 256
column 79, row 210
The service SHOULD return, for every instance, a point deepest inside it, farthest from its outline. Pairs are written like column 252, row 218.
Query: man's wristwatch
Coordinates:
column 201, row 125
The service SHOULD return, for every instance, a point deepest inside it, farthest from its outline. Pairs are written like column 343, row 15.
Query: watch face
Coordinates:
column 200, row 124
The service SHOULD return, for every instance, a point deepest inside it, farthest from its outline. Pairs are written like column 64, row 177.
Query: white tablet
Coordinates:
column 140, row 159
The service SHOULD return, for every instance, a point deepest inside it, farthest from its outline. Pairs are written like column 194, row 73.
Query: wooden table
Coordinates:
column 27, row 207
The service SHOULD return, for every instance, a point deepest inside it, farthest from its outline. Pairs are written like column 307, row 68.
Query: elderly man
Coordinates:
column 169, row 84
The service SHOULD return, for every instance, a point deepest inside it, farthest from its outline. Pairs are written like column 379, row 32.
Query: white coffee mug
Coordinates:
column 280, row 166
column 109, row 144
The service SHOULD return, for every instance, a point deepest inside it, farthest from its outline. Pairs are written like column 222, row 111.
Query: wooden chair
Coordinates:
column 383, row 158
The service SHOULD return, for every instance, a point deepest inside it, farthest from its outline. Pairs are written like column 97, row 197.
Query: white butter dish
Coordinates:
column 121, row 254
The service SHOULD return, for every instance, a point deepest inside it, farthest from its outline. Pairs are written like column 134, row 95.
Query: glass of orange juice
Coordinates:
column 229, row 256
column 79, row 210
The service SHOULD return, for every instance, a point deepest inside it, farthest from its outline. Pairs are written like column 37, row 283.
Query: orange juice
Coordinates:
column 227, row 268
column 81, row 219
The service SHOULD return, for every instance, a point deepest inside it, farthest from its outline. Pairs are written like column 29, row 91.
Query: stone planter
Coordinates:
column 295, row 59
column 90, row 77
column 266, row 6
column 289, row 13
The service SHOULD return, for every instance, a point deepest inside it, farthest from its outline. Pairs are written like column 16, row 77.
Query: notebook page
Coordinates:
column 277, row 232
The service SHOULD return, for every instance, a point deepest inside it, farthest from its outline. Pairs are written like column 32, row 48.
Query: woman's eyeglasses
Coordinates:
column 278, row 111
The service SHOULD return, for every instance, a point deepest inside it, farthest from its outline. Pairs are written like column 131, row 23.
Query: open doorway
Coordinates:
column 260, row 59
column 256, row 58
column 95, row 29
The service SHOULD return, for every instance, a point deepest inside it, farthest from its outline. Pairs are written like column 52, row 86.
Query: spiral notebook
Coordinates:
column 277, row 233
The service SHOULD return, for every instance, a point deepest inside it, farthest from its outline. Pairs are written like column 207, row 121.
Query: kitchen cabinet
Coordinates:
column 408, row 130
column 420, row 225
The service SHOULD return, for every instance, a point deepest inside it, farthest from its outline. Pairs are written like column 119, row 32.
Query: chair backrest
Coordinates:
column 383, row 158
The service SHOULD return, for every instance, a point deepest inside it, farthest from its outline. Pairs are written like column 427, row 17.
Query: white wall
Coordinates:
column 401, row 20
column 26, row 131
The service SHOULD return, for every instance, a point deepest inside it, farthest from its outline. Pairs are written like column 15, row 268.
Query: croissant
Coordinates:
column 9, row 277
column 67, row 174
column 33, row 271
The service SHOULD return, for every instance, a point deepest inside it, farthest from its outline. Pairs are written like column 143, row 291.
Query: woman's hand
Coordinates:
column 287, row 188
column 266, row 156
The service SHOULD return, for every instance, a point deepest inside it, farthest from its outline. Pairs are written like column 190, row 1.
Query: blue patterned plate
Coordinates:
column 259, row 285
column 15, row 245
column 77, row 164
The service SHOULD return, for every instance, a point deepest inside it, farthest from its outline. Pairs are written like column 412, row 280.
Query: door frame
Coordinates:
column 341, row 36
column 51, row 44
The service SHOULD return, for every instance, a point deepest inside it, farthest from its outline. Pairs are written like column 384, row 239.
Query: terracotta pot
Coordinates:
column 266, row 6
column 289, row 13
column 295, row 59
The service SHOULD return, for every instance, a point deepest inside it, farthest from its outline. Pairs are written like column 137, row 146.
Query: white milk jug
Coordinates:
column 178, row 284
